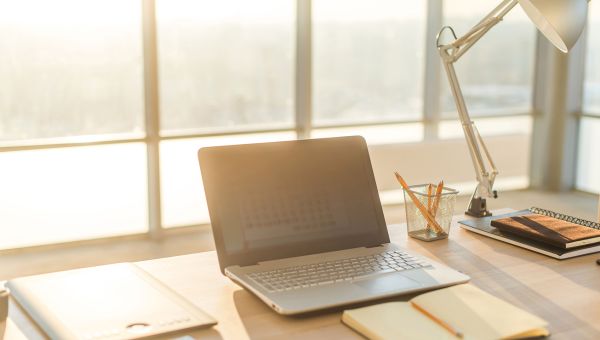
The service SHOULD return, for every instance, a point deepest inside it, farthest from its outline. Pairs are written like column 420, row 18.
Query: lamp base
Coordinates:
column 478, row 208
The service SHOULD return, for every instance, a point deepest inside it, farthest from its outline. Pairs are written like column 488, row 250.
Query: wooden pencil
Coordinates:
column 437, row 199
column 429, row 203
column 440, row 322
column 429, row 200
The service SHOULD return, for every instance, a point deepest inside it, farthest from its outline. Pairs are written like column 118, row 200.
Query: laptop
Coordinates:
column 300, row 225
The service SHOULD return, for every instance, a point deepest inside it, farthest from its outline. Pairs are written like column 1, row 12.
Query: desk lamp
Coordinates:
column 560, row 21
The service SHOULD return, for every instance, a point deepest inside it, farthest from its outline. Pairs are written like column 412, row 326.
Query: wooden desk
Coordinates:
column 565, row 293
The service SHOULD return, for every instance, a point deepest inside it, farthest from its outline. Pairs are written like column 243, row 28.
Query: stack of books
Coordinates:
column 554, row 234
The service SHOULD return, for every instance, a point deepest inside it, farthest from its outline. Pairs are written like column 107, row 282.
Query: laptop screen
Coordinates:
column 274, row 200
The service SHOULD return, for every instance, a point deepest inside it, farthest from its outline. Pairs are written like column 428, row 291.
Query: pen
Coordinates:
column 445, row 325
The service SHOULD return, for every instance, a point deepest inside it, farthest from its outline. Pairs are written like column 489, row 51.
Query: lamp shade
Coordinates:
column 560, row 21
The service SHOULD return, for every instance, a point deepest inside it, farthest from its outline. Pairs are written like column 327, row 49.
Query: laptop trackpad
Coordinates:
column 388, row 283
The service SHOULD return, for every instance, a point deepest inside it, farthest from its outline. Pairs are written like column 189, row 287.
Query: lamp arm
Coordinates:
column 465, row 42
column 494, row 170
column 484, row 187
column 450, row 53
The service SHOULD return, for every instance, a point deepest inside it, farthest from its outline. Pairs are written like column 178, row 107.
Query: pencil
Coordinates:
column 429, row 203
column 440, row 322
column 419, row 205
column 438, row 197
column 429, row 200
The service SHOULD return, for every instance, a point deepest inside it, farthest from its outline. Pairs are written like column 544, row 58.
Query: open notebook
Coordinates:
column 465, row 308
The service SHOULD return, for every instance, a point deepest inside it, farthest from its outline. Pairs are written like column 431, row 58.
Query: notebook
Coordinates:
column 465, row 308
column 119, row 301
column 483, row 226
column 547, row 229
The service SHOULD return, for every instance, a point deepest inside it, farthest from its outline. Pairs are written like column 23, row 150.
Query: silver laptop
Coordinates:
column 300, row 225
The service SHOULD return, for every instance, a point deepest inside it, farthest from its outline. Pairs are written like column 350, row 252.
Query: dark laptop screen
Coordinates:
column 275, row 200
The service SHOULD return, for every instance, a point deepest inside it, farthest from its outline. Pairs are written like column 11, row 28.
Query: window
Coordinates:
column 182, row 191
column 225, row 64
column 78, row 163
column 588, row 165
column 496, row 75
column 67, row 194
column 368, row 61
column 70, row 68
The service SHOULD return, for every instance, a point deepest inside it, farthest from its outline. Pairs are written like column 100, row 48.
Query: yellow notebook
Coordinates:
column 465, row 308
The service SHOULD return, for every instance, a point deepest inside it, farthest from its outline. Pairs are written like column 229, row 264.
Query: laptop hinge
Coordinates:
column 379, row 245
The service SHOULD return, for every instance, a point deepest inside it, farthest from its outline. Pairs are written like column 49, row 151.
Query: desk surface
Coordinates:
column 565, row 293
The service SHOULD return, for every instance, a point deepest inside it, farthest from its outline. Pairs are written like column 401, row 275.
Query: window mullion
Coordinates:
column 303, row 69
column 152, row 118
column 432, row 81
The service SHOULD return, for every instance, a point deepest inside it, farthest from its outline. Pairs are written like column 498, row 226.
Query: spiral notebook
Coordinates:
column 483, row 226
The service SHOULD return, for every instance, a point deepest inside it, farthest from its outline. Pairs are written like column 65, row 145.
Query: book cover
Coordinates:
column 557, row 232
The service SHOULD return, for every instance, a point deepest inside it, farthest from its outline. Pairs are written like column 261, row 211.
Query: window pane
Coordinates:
column 376, row 134
column 70, row 67
column 588, row 165
column 368, row 60
column 225, row 63
column 591, row 103
column 183, row 200
column 60, row 195
column 496, row 74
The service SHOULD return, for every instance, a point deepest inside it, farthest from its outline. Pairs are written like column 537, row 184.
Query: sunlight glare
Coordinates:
column 219, row 11
column 66, row 13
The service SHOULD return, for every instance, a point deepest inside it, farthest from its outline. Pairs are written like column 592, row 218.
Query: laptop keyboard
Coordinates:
column 330, row 272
